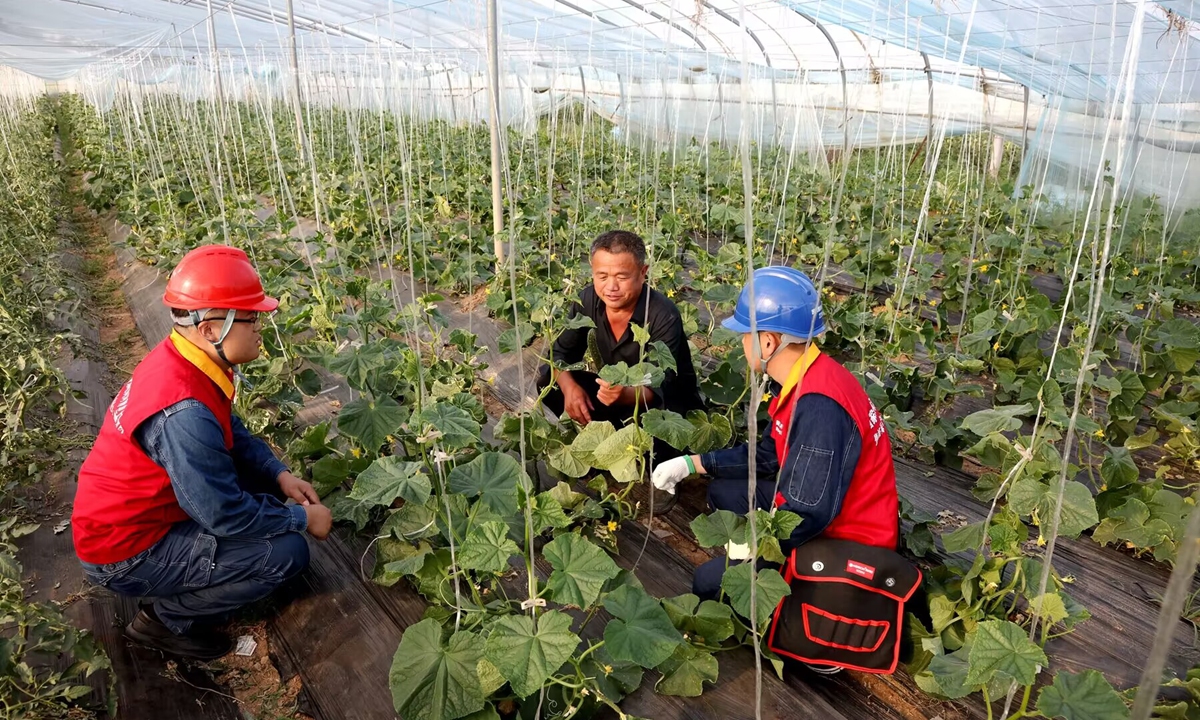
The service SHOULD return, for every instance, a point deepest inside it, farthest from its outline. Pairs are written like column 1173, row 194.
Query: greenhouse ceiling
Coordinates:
column 1064, row 49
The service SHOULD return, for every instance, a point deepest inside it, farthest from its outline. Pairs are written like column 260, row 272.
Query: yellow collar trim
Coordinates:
column 799, row 369
column 200, row 359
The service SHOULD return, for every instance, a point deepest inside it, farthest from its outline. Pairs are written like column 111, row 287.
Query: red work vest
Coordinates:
column 124, row 502
column 870, row 512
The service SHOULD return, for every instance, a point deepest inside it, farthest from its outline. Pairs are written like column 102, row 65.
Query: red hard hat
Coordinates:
column 218, row 277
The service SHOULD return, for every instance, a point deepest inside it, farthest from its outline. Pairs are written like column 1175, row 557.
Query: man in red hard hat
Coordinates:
column 177, row 502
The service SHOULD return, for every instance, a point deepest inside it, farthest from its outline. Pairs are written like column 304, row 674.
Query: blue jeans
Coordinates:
column 195, row 576
column 729, row 495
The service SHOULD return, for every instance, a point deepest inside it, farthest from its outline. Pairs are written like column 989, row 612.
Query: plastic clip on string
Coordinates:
column 533, row 602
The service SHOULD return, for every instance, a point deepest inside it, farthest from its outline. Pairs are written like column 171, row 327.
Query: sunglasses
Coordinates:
column 257, row 318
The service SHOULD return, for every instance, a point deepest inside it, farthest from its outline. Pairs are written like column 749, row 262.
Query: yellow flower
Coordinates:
column 608, row 669
column 1136, row 271
column 933, row 303
column 356, row 452
column 997, row 281
column 983, row 268
column 1003, row 306
column 996, row 345
column 385, row 266
column 1041, row 541
column 612, row 525
column 1140, row 306
column 391, row 439
column 1100, row 433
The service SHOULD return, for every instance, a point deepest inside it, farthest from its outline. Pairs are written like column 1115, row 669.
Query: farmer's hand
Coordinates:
column 298, row 489
column 668, row 474
column 608, row 394
column 577, row 403
column 320, row 520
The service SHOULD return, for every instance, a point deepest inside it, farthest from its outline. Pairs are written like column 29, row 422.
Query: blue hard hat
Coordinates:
column 785, row 301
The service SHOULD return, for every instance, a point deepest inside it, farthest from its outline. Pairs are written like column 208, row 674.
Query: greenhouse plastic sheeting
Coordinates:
column 1071, row 50
column 822, row 75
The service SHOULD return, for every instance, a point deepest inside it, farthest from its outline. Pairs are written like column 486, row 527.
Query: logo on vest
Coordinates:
column 119, row 404
column 877, row 427
column 778, row 427
column 860, row 569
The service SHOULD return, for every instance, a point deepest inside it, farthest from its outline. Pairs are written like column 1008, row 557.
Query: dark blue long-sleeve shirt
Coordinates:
column 823, row 449
column 186, row 440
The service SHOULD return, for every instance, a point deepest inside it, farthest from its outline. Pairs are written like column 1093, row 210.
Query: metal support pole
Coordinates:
column 929, row 132
column 493, row 41
column 296, row 102
column 1025, row 124
column 212, row 45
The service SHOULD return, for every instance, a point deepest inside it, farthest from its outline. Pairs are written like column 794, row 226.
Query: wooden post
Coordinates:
column 997, row 157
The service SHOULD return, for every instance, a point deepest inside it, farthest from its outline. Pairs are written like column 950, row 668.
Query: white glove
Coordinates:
column 668, row 474
column 737, row 551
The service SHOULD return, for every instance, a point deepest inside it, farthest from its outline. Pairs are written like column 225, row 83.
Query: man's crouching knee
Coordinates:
column 289, row 556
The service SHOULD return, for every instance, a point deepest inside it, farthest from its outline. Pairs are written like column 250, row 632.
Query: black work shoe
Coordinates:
column 200, row 645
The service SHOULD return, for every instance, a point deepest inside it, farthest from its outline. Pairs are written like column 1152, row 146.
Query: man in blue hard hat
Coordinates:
column 826, row 456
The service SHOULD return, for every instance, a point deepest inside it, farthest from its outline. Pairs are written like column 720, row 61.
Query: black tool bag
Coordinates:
column 847, row 606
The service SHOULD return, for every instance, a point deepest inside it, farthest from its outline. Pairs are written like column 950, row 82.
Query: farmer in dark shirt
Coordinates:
column 826, row 455
column 617, row 299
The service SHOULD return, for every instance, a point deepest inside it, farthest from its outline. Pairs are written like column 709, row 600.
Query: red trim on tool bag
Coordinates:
column 805, row 608
column 793, row 575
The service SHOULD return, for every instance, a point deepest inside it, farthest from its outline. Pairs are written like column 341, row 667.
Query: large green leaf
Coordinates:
column 616, row 678
column 433, row 680
column 577, row 458
column 621, row 453
column 564, row 459
column 967, row 537
column 686, row 671
column 1081, row 696
column 487, row 548
column 346, row 509
column 670, row 427
column 357, row 364
column 1118, row 468
column 1005, row 647
column 948, row 674
column 389, row 478
column 1178, row 334
column 508, row 342
column 371, row 421
column 395, row 558
column 718, row 528
column 494, row 477
column 709, row 432
column 411, row 522
column 769, row 590
column 641, row 632
column 458, row 428
column 708, row 621
column 527, row 655
column 642, row 374
column 580, row 570
column 548, row 514
column 329, row 473
column 1030, row 495
column 997, row 419
column 661, row 356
